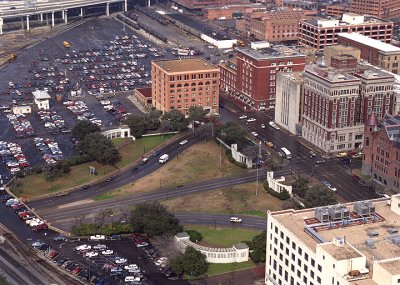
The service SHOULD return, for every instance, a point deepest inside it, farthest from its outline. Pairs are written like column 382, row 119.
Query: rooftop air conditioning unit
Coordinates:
column 370, row 243
column 361, row 209
column 339, row 241
column 322, row 214
column 373, row 233
column 335, row 213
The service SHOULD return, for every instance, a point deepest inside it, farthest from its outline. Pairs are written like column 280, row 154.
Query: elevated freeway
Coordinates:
column 39, row 8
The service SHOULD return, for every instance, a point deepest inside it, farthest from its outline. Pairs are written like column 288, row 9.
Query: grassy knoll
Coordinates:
column 36, row 184
column 238, row 199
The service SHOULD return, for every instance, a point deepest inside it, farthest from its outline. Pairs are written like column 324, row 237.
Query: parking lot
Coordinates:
column 90, row 80
column 98, row 259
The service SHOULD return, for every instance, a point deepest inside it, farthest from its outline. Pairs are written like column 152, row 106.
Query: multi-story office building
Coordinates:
column 381, row 159
column 288, row 102
column 330, row 114
column 385, row 9
column 180, row 84
column 198, row 4
column 319, row 33
column 383, row 55
column 255, row 74
column 349, row 244
column 274, row 26
column 337, row 103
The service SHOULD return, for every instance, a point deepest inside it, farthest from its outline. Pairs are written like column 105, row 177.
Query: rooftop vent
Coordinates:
column 373, row 233
column 370, row 243
column 395, row 239
column 339, row 241
column 393, row 231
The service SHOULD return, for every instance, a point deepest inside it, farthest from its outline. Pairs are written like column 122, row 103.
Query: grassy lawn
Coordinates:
column 136, row 149
column 36, row 184
column 223, row 237
column 199, row 162
column 219, row 268
column 238, row 199
column 120, row 141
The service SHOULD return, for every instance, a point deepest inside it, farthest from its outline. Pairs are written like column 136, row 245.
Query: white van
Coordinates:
column 236, row 220
column 164, row 158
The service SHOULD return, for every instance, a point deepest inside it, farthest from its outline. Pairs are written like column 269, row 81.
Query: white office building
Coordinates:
column 350, row 244
column 288, row 105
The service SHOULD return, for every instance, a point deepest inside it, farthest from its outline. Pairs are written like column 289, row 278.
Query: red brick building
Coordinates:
column 337, row 10
column 318, row 32
column 273, row 26
column 198, row 4
column 180, row 84
column 381, row 158
column 337, row 103
column 385, row 9
column 254, row 74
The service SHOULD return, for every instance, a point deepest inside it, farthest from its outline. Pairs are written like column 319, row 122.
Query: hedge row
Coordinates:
column 284, row 195
column 107, row 229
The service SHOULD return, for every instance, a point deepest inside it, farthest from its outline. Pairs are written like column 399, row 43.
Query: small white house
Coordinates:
column 41, row 99
column 18, row 110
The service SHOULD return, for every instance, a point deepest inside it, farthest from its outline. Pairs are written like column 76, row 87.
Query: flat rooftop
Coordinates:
column 367, row 20
column 329, row 74
column 384, row 47
column 341, row 252
column 392, row 266
column 185, row 65
column 271, row 52
column 356, row 234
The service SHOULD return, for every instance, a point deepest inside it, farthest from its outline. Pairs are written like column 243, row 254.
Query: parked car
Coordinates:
column 98, row 237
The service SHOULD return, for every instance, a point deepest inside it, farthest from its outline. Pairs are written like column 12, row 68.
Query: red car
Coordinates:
column 76, row 271
column 39, row 227
column 17, row 206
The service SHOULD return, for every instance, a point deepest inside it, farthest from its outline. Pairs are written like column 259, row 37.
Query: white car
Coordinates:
column 243, row 117
column 107, row 252
column 183, row 142
column 254, row 134
column 131, row 266
column 142, row 244
column 83, row 247
column 100, row 247
column 121, row 260
column 91, row 254
column 262, row 126
column 330, row 187
column 275, row 126
column 236, row 220
column 251, row 120
column 98, row 237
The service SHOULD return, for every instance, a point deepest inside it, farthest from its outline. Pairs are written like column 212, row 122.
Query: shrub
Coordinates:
column 195, row 236
column 284, row 195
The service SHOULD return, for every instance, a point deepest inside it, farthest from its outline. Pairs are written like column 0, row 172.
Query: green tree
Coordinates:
column 54, row 171
column 82, row 128
column 152, row 119
column 99, row 147
column 300, row 186
column 258, row 246
column 233, row 133
column 318, row 196
column 195, row 236
column 137, row 124
column 154, row 219
column 196, row 113
column 177, row 266
column 177, row 119
column 194, row 262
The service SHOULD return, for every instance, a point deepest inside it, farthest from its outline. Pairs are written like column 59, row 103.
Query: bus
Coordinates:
column 286, row 153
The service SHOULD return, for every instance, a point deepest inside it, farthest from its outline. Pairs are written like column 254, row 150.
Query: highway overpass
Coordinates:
column 37, row 8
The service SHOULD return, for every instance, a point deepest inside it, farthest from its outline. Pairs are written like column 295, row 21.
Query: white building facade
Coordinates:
column 288, row 105
column 351, row 244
